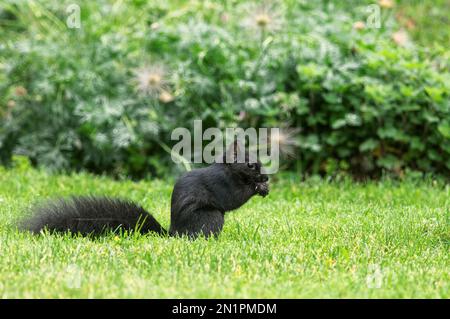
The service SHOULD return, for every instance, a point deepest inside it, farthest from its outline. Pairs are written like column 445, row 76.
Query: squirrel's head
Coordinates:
column 247, row 166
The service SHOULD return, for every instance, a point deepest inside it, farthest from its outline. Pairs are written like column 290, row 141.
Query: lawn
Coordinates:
column 306, row 239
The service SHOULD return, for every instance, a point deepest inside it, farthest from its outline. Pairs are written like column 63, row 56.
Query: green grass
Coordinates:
column 313, row 239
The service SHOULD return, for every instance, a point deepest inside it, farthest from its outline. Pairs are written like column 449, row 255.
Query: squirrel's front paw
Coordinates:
column 262, row 189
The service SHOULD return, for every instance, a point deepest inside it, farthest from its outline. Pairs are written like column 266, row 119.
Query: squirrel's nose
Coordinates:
column 264, row 178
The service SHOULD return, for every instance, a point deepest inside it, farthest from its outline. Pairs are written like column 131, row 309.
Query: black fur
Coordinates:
column 200, row 199
column 91, row 216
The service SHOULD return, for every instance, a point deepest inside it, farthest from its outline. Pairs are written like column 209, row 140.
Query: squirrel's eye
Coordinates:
column 250, row 165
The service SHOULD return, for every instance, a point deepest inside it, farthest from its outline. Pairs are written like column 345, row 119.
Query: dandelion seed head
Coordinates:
column 155, row 26
column 262, row 20
column 11, row 104
column 401, row 38
column 359, row 25
column 266, row 16
column 20, row 91
column 286, row 138
column 151, row 80
column 154, row 79
column 166, row 97
column 386, row 3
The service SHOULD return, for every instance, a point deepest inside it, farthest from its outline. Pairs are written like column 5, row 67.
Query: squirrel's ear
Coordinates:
column 231, row 154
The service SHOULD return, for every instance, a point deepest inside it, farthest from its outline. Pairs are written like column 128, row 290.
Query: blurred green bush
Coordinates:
column 106, row 97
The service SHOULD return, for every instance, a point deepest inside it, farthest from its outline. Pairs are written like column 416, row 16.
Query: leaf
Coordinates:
column 436, row 94
column 389, row 162
column 332, row 98
column 434, row 155
column 444, row 129
column 392, row 133
column 369, row 145
column 311, row 71
column 417, row 144
column 353, row 119
column 339, row 123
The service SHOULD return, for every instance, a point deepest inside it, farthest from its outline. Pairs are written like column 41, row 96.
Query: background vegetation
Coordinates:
column 351, row 100
column 105, row 97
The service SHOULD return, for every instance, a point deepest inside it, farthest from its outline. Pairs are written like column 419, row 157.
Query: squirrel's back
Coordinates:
column 90, row 215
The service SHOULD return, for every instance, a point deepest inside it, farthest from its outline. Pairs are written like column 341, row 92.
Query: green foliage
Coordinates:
column 363, row 103
column 427, row 20
column 310, row 239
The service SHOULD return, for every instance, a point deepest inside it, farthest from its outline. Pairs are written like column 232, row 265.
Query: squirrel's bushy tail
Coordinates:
column 90, row 215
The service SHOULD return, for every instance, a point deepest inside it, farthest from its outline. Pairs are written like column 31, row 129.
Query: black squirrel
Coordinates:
column 199, row 201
